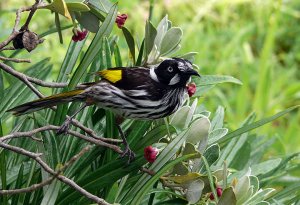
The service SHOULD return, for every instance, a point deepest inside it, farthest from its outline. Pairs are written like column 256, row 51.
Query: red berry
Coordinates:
column 191, row 89
column 150, row 153
column 79, row 35
column 120, row 20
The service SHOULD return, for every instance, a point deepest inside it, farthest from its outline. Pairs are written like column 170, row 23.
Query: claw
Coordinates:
column 64, row 127
column 128, row 152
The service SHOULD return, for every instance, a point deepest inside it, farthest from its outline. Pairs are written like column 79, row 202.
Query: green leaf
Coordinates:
column 58, row 27
column 138, row 197
column 150, row 34
column 161, row 160
column 90, row 54
column 265, row 167
column 194, row 191
column 227, row 197
column 102, row 5
column 77, row 6
column 189, row 56
column 170, row 40
column 18, row 185
column 60, row 7
column 211, row 154
column 162, row 29
column 216, row 135
column 117, row 54
column 88, row 20
column 215, row 79
column 256, row 124
column 198, row 130
column 130, row 42
column 51, row 193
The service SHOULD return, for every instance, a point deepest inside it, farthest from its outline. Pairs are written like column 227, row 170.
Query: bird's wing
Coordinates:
column 126, row 77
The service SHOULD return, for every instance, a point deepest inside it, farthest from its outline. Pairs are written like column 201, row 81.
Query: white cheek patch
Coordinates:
column 174, row 80
column 153, row 74
column 181, row 66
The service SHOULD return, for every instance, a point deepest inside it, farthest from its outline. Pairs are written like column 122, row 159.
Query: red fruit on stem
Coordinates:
column 79, row 35
column 191, row 89
column 150, row 153
column 120, row 20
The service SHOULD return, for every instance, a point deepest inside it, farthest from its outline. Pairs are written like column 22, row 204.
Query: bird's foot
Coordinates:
column 128, row 152
column 64, row 128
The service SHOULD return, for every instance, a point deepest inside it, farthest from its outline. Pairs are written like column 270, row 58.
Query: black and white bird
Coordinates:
column 133, row 92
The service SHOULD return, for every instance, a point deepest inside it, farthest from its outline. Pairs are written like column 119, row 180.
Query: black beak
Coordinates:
column 192, row 72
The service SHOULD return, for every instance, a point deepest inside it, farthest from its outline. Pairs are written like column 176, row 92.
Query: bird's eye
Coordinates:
column 170, row 69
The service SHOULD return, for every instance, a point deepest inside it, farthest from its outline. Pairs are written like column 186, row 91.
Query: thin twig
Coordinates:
column 7, row 48
column 66, row 180
column 50, row 179
column 19, row 75
column 16, row 60
column 71, row 132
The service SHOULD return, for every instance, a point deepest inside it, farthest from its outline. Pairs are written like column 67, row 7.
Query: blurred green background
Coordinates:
column 255, row 41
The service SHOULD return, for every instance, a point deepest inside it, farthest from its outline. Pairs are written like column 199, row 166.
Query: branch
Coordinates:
column 71, row 183
column 71, row 132
column 16, row 60
column 22, row 76
column 14, row 32
column 50, row 179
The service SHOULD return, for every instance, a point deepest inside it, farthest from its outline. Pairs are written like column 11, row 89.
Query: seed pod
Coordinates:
column 30, row 40
column 18, row 42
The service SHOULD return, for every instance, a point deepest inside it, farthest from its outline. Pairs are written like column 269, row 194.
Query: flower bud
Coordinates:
column 120, row 20
column 191, row 89
column 79, row 35
column 150, row 153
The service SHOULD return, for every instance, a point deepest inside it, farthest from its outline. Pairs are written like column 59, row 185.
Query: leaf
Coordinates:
column 265, row 167
column 88, row 20
column 60, row 7
column 211, row 154
column 51, row 193
column 58, row 27
column 216, row 135
column 198, row 130
column 217, row 121
column 184, row 179
column 91, row 53
column 189, row 56
column 130, row 42
column 170, row 40
column 102, row 5
column 256, row 124
column 147, row 186
column 194, row 191
column 150, row 34
column 162, row 29
column 215, row 79
column 242, row 187
column 227, row 197
column 178, row 120
column 77, row 6
column 161, row 160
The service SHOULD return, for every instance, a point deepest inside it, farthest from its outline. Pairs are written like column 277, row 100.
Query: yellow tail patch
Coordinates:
column 111, row 75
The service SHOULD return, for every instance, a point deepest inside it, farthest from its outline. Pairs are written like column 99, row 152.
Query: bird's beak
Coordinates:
column 192, row 72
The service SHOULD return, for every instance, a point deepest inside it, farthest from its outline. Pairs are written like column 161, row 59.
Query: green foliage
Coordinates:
column 197, row 153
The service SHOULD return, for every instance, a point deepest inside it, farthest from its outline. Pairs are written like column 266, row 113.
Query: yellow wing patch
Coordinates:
column 111, row 75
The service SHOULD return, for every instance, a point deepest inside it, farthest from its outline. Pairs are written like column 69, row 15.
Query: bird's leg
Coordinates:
column 66, row 125
column 127, row 151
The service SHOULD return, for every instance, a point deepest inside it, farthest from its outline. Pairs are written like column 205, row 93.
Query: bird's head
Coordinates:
column 173, row 72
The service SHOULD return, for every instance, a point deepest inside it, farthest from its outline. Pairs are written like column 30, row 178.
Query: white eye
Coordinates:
column 170, row 69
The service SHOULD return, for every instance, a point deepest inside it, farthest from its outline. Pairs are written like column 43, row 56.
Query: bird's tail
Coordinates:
column 46, row 102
